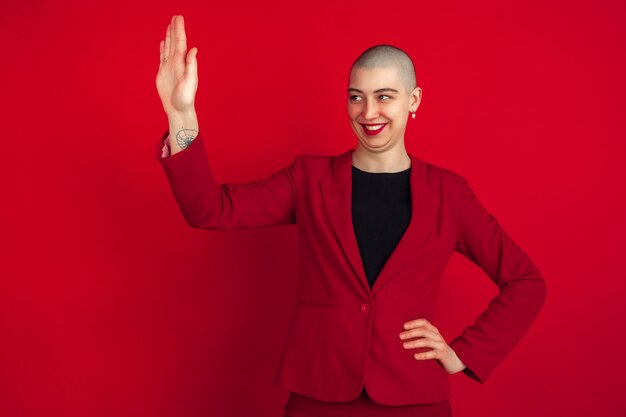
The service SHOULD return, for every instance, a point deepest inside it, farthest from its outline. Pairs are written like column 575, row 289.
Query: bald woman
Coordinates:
column 362, row 340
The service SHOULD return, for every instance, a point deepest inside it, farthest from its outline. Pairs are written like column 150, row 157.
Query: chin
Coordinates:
column 377, row 144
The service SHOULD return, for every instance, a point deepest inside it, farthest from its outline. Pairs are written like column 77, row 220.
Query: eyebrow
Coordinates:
column 380, row 90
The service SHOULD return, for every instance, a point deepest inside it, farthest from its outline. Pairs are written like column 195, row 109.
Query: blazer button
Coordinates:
column 365, row 308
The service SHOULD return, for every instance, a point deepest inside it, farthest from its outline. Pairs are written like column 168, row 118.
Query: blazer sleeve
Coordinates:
column 229, row 206
column 483, row 345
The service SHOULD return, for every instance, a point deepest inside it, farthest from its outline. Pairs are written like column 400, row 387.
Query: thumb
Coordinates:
column 192, row 63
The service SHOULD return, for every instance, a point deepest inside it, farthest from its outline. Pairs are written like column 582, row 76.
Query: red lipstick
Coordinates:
column 373, row 132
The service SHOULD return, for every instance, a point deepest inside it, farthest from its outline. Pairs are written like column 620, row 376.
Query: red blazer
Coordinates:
column 343, row 335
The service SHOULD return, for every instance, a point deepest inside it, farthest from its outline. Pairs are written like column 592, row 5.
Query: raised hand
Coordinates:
column 177, row 79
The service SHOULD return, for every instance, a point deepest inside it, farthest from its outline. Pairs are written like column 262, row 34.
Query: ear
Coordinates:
column 416, row 98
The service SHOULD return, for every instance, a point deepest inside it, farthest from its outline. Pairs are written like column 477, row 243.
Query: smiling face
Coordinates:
column 376, row 96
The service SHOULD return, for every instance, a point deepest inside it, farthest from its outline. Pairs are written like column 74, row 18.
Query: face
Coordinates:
column 376, row 97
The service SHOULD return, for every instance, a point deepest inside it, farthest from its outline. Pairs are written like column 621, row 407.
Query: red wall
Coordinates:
column 111, row 305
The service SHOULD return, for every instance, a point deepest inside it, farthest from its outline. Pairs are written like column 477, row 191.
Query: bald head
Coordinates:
column 388, row 56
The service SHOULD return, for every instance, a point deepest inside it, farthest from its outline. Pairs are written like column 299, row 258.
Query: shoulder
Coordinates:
column 317, row 163
column 311, row 158
column 444, row 179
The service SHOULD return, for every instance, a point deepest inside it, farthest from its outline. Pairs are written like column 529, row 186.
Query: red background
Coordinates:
column 110, row 305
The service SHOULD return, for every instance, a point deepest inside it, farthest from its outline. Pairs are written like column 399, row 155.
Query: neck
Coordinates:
column 389, row 161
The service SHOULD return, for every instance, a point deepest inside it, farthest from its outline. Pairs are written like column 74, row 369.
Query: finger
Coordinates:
column 191, row 69
column 420, row 332
column 180, row 43
column 166, row 48
column 172, row 37
column 414, row 323
column 423, row 343
column 430, row 327
column 431, row 354
column 161, row 45
column 420, row 322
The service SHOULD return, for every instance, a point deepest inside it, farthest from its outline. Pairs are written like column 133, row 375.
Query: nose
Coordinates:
column 370, row 110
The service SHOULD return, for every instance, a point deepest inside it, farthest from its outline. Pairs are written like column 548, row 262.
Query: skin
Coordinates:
column 177, row 79
column 384, row 152
column 177, row 82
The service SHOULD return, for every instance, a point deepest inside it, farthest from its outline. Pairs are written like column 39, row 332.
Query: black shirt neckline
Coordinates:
column 360, row 171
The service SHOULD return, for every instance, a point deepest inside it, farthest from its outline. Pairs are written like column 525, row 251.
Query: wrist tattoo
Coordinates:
column 184, row 137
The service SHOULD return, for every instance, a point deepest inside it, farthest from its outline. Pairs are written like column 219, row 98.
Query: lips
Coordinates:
column 373, row 132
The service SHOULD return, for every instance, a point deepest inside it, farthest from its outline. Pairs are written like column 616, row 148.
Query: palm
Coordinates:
column 177, row 79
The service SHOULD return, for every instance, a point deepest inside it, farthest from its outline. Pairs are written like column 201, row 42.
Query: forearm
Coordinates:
column 206, row 203
column 495, row 332
column 483, row 345
column 183, row 129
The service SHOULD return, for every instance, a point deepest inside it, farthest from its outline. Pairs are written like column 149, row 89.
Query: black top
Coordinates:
column 381, row 212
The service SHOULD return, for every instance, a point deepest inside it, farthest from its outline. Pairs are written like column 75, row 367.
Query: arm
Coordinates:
column 230, row 206
column 185, row 126
column 203, row 202
column 483, row 345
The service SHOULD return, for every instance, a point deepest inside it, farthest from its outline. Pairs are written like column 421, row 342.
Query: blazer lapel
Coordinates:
column 337, row 193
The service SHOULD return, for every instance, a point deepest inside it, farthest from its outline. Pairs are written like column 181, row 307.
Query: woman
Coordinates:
column 376, row 228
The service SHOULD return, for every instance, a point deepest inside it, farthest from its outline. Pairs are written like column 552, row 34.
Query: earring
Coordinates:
column 413, row 115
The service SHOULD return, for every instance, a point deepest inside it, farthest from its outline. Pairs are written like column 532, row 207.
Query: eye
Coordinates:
column 354, row 97
column 384, row 96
